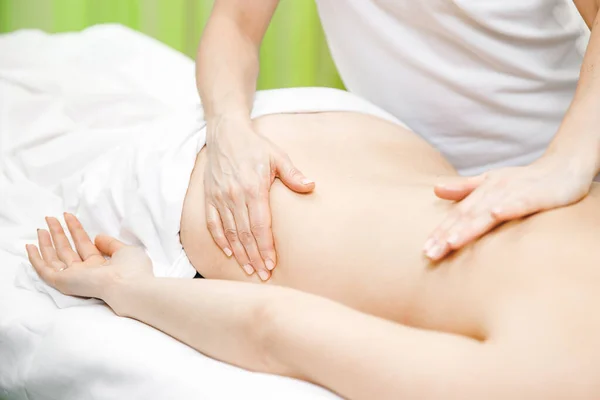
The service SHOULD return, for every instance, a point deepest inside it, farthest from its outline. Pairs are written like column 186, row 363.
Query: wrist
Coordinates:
column 577, row 141
column 227, row 124
column 582, row 161
column 231, row 114
column 117, row 292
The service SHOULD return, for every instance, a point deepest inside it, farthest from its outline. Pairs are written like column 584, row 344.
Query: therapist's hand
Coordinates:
column 241, row 167
column 85, row 272
column 502, row 195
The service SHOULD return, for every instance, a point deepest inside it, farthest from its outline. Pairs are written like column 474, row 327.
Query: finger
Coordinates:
column 514, row 208
column 108, row 245
column 41, row 267
column 291, row 176
column 260, row 226
column 246, row 238
column 46, row 247
column 435, row 239
column 476, row 218
column 83, row 244
column 474, row 229
column 436, row 246
column 459, row 189
column 61, row 242
column 235, row 245
column 215, row 227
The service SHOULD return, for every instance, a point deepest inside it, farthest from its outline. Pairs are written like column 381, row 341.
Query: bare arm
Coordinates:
column 562, row 176
column 579, row 134
column 282, row 331
column 285, row 332
column 241, row 164
column 227, row 63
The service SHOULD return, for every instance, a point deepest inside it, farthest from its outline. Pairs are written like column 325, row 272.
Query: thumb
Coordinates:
column 108, row 245
column 458, row 189
column 291, row 176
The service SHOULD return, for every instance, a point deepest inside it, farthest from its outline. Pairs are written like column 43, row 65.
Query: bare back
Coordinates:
column 358, row 237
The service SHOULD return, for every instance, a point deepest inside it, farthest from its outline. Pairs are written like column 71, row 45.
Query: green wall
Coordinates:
column 294, row 52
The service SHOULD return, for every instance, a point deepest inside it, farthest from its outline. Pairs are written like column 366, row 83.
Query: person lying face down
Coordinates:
column 353, row 305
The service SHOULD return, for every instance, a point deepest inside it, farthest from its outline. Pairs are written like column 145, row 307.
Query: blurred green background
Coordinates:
column 294, row 52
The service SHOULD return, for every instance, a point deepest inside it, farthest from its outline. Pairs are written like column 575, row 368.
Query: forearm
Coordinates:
column 281, row 331
column 228, row 61
column 226, row 69
column 218, row 318
column 578, row 137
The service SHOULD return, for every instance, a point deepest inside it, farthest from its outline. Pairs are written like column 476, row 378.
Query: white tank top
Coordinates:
column 487, row 82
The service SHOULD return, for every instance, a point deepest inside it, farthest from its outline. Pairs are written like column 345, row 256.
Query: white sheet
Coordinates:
column 67, row 102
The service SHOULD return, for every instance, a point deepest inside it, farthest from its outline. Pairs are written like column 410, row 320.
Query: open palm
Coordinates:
column 84, row 272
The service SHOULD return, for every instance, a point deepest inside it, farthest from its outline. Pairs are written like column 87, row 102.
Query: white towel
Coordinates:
column 75, row 108
column 113, row 151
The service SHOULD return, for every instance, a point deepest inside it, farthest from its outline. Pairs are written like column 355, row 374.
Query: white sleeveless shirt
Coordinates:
column 487, row 82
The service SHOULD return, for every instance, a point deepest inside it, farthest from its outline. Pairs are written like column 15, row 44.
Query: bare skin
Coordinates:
column 562, row 176
column 239, row 161
column 354, row 305
column 343, row 242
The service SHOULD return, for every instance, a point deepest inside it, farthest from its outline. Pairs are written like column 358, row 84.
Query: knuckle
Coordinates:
column 217, row 196
column 231, row 235
column 218, row 236
column 259, row 229
column 252, row 195
column 260, row 166
column 234, row 193
column 251, row 191
column 248, row 187
column 212, row 226
column 246, row 238
column 220, row 239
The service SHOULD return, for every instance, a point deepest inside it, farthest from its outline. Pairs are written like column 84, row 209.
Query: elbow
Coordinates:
column 269, row 325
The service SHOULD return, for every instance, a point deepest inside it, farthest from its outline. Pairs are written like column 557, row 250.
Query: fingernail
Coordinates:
column 434, row 252
column 450, row 187
column 307, row 181
column 452, row 239
column 428, row 244
column 227, row 252
column 264, row 275
column 248, row 269
column 270, row 264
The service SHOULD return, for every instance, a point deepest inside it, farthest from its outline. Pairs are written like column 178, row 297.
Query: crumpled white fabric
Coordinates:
column 106, row 124
column 116, row 156
column 93, row 123
column 102, row 142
